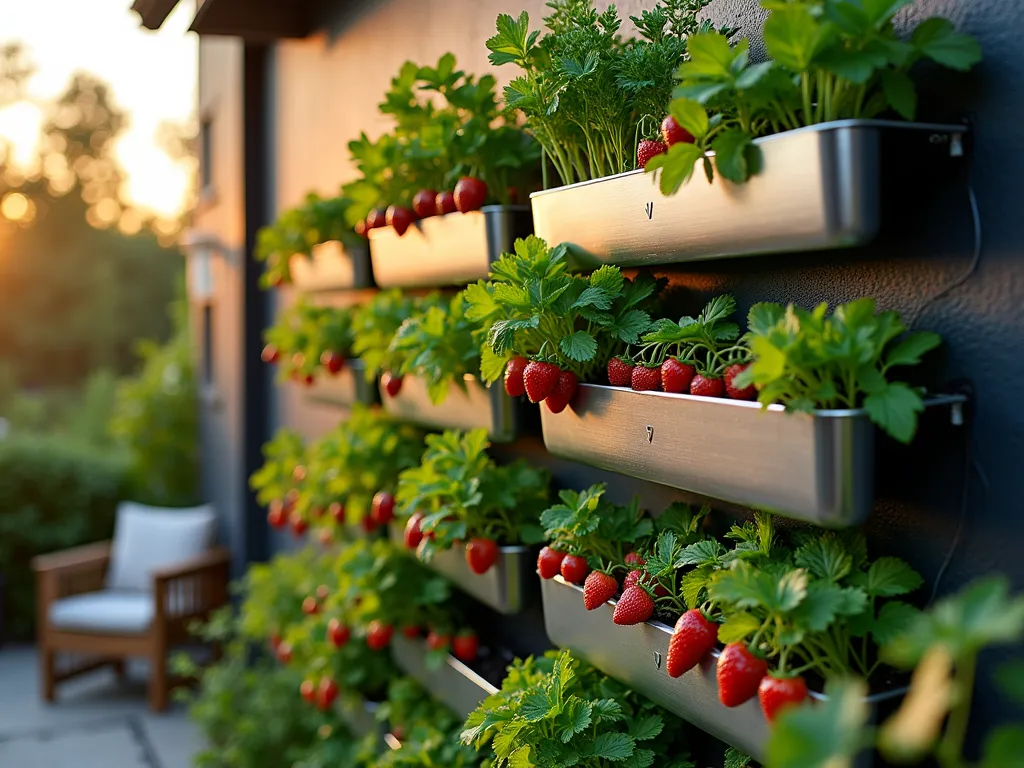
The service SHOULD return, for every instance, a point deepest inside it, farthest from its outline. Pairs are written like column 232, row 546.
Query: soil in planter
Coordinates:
column 491, row 664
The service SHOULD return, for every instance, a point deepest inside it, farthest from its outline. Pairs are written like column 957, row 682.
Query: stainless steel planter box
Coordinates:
column 346, row 388
column 331, row 267
column 453, row 683
column 818, row 468
column 503, row 586
column 820, row 187
column 446, row 250
column 635, row 655
column 488, row 407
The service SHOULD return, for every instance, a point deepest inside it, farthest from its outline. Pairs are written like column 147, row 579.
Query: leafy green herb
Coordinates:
column 707, row 342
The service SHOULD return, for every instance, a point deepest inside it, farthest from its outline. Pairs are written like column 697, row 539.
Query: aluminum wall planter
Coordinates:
column 331, row 267
column 345, row 388
column 636, row 655
column 820, row 187
column 488, row 407
column 446, row 250
column 818, row 468
column 503, row 586
column 453, row 683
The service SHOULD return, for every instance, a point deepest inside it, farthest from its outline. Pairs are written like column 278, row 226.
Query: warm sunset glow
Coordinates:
column 17, row 207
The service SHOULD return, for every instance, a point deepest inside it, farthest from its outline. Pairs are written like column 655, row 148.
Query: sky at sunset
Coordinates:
column 152, row 76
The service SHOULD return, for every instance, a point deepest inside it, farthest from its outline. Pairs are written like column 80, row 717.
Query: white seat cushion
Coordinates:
column 147, row 539
column 108, row 612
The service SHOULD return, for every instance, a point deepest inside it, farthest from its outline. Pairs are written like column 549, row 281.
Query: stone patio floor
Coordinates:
column 96, row 722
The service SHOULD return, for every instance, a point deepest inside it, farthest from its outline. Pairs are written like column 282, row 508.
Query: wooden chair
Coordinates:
column 85, row 611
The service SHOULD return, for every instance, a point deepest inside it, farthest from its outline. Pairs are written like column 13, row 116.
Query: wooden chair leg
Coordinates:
column 48, row 673
column 158, row 679
column 119, row 669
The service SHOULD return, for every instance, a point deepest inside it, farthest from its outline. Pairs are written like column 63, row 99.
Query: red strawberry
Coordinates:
column 411, row 631
column 275, row 642
column 646, row 379
column 539, row 379
column 332, row 361
column 647, row 149
column 574, row 568
column 298, row 360
column 444, row 203
column 673, row 133
column 270, row 354
column 360, row 228
column 309, row 606
column 707, row 386
column 438, row 641
column 368, row 523
column 470, row 194
column 276, row 515
column 676, row 376
column 378, row 635
column 376, row 218
column 549, row 562
column 308, row 379
column 392, row 383
column 563, row 393
column 424, row 203
column 308, row 690
column 481, row 554
column 465, row 645
column 284, row 653
column 337, row 633
column 632, row 579
column 514, row 376
column 692, row 639
column 739, row 674
column 399, row 219
column 298, row 523
column 748, row 392
column 634, row 607
column 413, row 534
column 634, row 559
column 325, row 536
column 777, row 693
column 620, row 372
column 337, row 511
column 382, row 509
column 326, row 693
column 598, row 589
column 323, row 592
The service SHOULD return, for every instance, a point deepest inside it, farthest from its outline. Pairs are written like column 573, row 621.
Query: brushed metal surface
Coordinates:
column 346, row 388
column 331, row 267
column 453, row 683
column 502, row 587
column 820, row 188
column 818, row 468
column 477, row 407
column 446, row 250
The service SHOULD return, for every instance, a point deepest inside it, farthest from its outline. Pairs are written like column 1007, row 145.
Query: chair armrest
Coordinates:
column 210, row 560
column 87, row 557
column 69, row 572
column 191, row 589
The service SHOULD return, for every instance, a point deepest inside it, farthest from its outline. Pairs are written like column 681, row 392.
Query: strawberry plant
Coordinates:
column 830, row 60
column 808, row 360
column 458, row 493
column 307, row 339
column 429, row 732
column 374, row 327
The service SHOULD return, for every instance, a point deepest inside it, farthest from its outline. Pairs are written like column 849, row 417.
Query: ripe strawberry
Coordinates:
column 514, row 376
column 270, row 355
column 376, row 218
column 673, row 133
column 308, row 379
column 707, row 386
column 563, row 393
column 549, row 562
column 411, row 631
column 332, row 361
column 323, row 592
column 634, row 607
column 739, row 674
column 360, row 228
column 598, row 589
column 470, row 194
column 338, row 633
column 399, row 219
column 325, row 536
column 298, row 523
column 634, row 559
column 747, row 393
column 309, row 605
column 413, row 534
column 481, row 554
column 777, row 693
column 465, row 646
column 398, row 732
column 424, row 203
column 291, row 499
column 326, row 693
column 692, row 639
column 337, row 511
column 632, row 579
column 368, row 523
column 275, row 642
column 392, row 383
column 539, row 379
column 438, row 641
column 276, row 515
column 298, row 360
column 308, row 690
column 284, row 653
column 646, row 379
column 382, row 510
column 444, row 203
column 378, row 635
column 574, row 568
column 620, row 372
column 676, row 376
column 647, row 149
